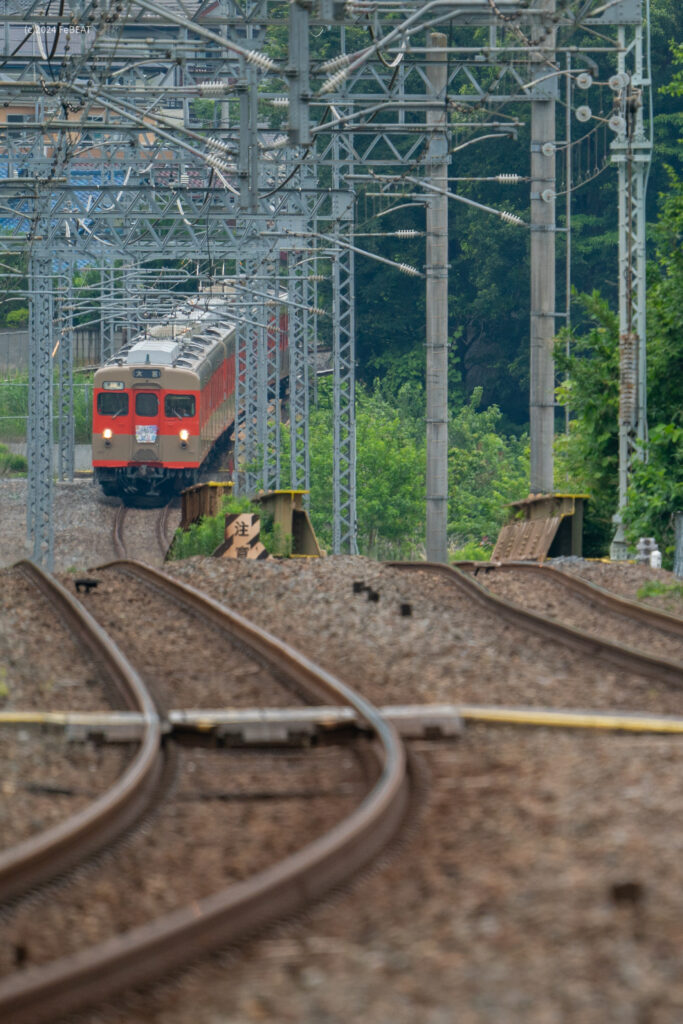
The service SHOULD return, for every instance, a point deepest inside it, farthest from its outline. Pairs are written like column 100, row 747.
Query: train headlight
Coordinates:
column 107, row 433
column 184, row 436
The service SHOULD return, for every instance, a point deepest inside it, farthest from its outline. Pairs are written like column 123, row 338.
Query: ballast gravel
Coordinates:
column 548, row 596
column 49, row 779
column 539, row 883
column 227, row 814
column 42, row 666
column 83, row 524
column 448, row 650
column 630, row 580
column 183, row 661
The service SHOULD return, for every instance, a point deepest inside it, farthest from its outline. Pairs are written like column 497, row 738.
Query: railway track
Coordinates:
column 185, row 659
column 620, row 654
column 143, row 533
column 557, row 594
column 44, row 993
column 53, row 851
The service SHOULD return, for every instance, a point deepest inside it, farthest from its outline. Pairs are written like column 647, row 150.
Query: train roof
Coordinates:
column 165, row 352
column 184, row 340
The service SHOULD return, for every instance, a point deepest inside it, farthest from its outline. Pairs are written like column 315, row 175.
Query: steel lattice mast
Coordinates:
column 632, row 152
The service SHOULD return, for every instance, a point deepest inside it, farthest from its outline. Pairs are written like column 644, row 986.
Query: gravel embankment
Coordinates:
column 550, row 598
column 229, row 814
column 183, row 661
column 45, row 779
column 448, row 650
column 542, row 883
column 83, row 520
column 627, row 579
column 42, row 666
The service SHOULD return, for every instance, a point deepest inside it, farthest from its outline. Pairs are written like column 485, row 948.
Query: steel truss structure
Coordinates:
column 150, row 140
column 632, row 153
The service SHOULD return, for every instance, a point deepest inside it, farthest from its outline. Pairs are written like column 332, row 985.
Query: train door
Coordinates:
column 146, row 420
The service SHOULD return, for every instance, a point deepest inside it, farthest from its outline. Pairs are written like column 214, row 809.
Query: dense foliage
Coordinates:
column 587, row 459
column 488, row 296
column 487, row 469
column 590, row 453
column 390, row 474
column 656, row 491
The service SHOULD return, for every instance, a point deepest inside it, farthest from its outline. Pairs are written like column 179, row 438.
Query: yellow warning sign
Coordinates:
column 242, row 537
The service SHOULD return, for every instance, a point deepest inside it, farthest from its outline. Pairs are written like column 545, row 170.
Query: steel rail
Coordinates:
column 622, row 605
column 48, row 854
column 627, row 659
column 160, row 528
column 117, row 531
column 44, row 993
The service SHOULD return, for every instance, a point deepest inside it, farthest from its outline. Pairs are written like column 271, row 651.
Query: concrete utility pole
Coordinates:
column 542, row 215
column 437, row 307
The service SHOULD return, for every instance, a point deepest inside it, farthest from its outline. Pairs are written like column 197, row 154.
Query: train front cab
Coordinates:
column 146, row 435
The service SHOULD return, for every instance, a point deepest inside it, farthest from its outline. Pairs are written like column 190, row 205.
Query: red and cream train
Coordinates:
column 162, row 403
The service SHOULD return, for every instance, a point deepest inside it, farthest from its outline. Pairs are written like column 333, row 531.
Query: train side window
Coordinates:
column 146, row 404
column 112, row 403
column 181, row 406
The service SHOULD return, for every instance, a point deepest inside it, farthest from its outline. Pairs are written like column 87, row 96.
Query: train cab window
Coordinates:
column 146, row 404
column 181, row 406
column 112, row 403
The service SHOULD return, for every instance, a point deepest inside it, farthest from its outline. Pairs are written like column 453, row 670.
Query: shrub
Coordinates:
column 10, row 464
column 17, row 317
column 204, row 537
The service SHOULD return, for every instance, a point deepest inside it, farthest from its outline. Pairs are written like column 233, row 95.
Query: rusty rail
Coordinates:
column 625, row 658
column 591, row 591
column 46, row 855
column 162, row 530
column 161, row 517
column 117, row 529
column 44, row 993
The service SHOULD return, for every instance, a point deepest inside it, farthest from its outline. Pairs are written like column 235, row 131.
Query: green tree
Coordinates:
column 487, row 470
column 390, row 475
column 590, row 453
column 488, row 284
column 17, row 317
column 13, row 309
column 588, row 458
column 656, row 491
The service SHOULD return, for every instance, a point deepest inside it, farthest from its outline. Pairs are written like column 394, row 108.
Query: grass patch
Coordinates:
column 655, row 588
column 471, row 552
column 14, row 408
column 10, row 464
